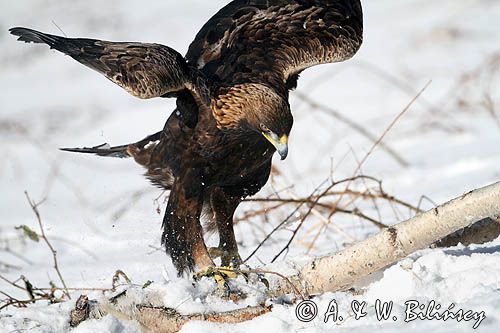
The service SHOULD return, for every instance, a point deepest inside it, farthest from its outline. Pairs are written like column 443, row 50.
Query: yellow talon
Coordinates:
column 219, row 279
column 220, row 275
column 229, row 272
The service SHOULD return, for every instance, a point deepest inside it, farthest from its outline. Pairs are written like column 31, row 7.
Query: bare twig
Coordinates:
column 59, row 28
column 302, row 222
column 327, row 201
column 12, row 283
column 354, row 125
column 35, row 294
column 34, row 207
column 280, row 225
column 360, row 165
column 391, row 125
column 20, row 303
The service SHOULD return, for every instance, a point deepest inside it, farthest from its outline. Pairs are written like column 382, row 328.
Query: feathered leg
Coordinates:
column 223, row 207
column 182, row 231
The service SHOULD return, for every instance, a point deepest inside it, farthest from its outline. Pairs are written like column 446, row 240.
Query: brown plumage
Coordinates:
column 232, row 105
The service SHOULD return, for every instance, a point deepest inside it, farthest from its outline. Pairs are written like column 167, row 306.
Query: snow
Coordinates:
column 101, row 214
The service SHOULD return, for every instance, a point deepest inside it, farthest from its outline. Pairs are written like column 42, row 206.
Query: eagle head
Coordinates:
column 255, row 108
column 276, row 130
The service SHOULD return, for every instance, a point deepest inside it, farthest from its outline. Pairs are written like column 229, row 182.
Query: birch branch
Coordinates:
column 156, row 319
column 340, row 270
column 161, row 320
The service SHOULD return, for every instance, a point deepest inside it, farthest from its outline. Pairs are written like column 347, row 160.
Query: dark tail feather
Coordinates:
column 102, row 150
column 130, row 150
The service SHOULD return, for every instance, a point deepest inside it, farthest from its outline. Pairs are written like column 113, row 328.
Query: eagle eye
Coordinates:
column 264, row 128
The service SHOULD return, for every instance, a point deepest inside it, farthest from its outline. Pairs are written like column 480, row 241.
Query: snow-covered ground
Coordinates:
column 100, row 214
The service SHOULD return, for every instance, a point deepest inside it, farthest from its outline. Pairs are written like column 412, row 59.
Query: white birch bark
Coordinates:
column 340, row 270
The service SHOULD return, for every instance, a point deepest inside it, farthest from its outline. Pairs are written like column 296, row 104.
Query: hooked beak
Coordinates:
column 281, row 144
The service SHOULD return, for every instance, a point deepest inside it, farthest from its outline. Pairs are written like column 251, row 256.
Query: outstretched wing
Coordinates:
column 272, row 41
column 144, row 70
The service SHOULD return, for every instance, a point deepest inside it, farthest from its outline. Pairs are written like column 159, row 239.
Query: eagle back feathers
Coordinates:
column 272, row 41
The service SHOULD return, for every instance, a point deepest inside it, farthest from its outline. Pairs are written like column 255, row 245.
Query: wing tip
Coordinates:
column 28, row 35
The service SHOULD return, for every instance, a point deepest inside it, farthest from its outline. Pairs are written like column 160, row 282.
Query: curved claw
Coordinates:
column 221, row 275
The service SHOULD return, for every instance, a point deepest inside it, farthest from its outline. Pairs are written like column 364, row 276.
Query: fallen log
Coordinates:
column 341, row 270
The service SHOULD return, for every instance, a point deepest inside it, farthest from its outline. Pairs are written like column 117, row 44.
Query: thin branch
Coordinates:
column 34, row 207
column 20, row 303
column 391, row 125
column 322, row 200
column 12, row 283
column 354, row 125
column 59, row 28
column 280, row 225
column 302, row 223
column 372, row 149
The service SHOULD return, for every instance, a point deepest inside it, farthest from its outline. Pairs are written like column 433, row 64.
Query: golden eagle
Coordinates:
column 232, row 112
